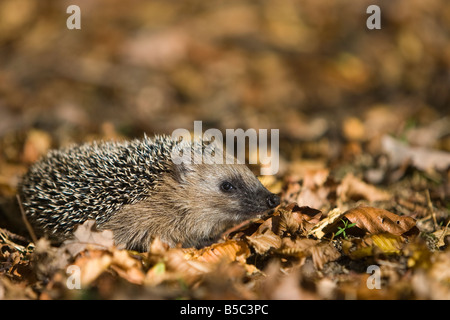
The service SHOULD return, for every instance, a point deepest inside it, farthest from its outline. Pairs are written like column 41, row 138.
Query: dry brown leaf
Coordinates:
column 181, row 262
column 322, row 253
column 157, row 274
column 314, row 192
column 441, row 235
column 425, row 159
column 158, row 247
column 132, row 275
column 375, row 220
column 298, row 247
column 87, row 236
column 325, row 225
column 272, row 223
column 265, row 237
column 224, row 252
column 279, row 285
column 356, row 189
column 127, row 267
column 264, row 241
column 294, row 219
column 92, row 265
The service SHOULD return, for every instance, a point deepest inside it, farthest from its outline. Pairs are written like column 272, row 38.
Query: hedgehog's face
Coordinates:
column 193, row 205
column 224, row 192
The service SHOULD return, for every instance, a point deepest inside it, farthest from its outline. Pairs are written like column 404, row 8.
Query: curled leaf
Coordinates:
column 228, row 252
column 375, row 220
column 264, row 241
column 296, row 219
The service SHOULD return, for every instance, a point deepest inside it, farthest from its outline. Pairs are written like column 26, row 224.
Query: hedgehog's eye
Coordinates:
column 226, row 186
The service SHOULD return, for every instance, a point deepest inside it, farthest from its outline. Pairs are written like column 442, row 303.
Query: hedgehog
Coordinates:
column 138, row 191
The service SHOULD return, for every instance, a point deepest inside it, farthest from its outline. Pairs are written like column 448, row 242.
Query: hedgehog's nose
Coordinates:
column 273, row 201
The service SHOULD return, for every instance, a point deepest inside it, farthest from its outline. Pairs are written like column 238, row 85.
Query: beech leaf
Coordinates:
column 375, row 220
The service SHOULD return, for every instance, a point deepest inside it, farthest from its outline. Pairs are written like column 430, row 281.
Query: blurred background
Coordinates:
column 309, row 68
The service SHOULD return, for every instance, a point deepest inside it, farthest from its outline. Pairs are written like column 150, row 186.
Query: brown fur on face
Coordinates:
column 189, row 207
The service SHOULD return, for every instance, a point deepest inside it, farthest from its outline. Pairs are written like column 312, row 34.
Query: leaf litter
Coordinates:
column 301, row 241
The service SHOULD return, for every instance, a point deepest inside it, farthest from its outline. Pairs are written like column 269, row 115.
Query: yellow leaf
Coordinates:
column 388, row 243
column 358, row 249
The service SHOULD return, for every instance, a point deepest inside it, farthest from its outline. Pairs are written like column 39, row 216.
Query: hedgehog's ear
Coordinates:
column 181, row 171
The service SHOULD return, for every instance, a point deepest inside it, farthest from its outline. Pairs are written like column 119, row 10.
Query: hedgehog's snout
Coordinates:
column 272, row 201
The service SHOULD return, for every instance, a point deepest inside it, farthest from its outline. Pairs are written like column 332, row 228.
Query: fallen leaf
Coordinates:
column 156, row 274
column 299, row 247
column 181, row 262
column 295, row 219
column 87, row 236
column 425, row 159
column 158, row 247
column 93, row 265
column 327, row 224
column 388, row 243
column 314, row 192
column 224, row 252
column 375, row 220
column 441, row 234
column 279, row 286
column 322, row 253
column 358, row 248
column 356, row 189
column 263, row 241
column 122, row 259
column 127, row 267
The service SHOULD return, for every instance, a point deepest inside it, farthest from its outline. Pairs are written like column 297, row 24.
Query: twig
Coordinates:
column 430, row 207
column 25, row 220
column 4, row 236
column 444, row 233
